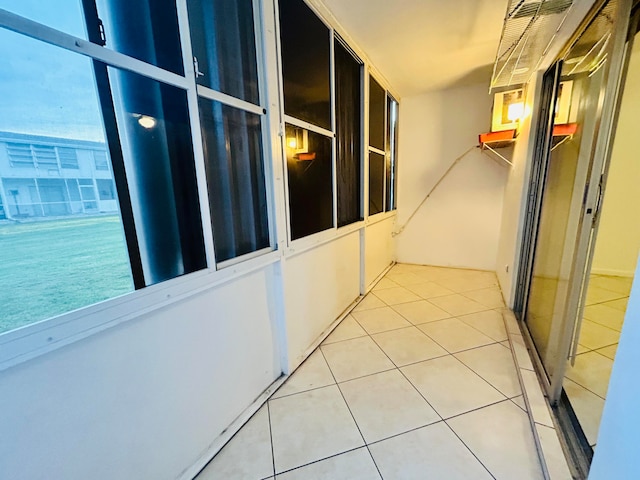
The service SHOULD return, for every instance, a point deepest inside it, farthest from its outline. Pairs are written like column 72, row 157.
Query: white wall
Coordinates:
column 379, row 249
column 618, row 239
column 617, row 453
column 459, row 225
column 507, row 261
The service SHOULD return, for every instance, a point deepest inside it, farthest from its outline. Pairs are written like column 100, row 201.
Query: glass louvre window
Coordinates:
column 376, row 183
column 224, row 46
column 100, row 160
column 143, row 29
column 348, row 72
column 306, row 63
column 68, row 158
column 153, row 123
column 391, row 154
column 20, row 154
column 65, row 260
column 310, row 179
column 377, row 104
column 236, row 179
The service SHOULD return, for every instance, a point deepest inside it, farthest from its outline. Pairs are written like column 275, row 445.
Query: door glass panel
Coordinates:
column 578, row 106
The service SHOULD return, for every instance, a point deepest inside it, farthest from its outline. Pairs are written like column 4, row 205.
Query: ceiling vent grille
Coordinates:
column 528, row 30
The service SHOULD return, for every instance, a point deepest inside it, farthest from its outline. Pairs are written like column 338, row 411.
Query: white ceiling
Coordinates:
column 422, row 45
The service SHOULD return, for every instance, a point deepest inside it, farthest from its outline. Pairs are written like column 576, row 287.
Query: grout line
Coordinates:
column 320, row 460
column 469, row 448
column 273, row 455
column 505, row 399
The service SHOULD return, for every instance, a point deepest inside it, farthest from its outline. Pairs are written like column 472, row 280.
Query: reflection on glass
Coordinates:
column 377, row 103
column 348, row 132
column 235, row 176
column 64, row 15
column 153, row 122
column 376, row 183
column 305, row 42
column 143, row 29
column 568, row 168
column 310, row 181
column 391, row 153
column 55, row 255
column 223, row 41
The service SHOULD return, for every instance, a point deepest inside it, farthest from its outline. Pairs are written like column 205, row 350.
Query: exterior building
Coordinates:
column 53, row 177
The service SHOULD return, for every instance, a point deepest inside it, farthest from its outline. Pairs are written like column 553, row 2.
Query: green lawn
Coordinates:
column 53, row 267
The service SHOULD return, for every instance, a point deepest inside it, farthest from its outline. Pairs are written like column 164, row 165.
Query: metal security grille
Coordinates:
column 529, row 28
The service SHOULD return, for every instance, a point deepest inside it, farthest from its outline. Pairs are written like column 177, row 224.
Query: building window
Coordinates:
column 20, row 155
column 391, row 154
column 68, row 158
column 45, row 156
column 376, row 183
column 348, row 73
column 100, row 160
column 106, row 189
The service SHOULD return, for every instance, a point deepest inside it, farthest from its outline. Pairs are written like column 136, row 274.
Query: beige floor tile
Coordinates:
column 606, row 315
column 592, row 371
column 466, row 281
column 369, row 302
column 510, row 321
column 537, row 401
column 489, row 322
column 458, row 304
column 400, row 268
column 404, row 279
column 380, row 320
column 495, row 364
column 455, row 335
column 594, row 336
column 609, row 352
column 620, row 304
column 354, row 465
column 421, row 311
column 429, row 290
column 432, row 452
column 587, row 407
column 247, row 455
column 621, row 285
column 386, row 404
column 408, row 345
column 385, row 283
column 489, row 297
column 310, row 426
column 346, row 330
column 393, row 296
column 519, row 401
column 521, row 352
column 500, row 436
column 433, row 274
column 313, row 373
column 506, row 344
column 451, row 387
column 355, row 358
column 600, row 295
column 553, row 454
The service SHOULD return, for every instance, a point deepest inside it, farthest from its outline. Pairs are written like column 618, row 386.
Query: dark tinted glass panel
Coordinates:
column 377, row 100
column 305, row 63
column 348, row 88
column 376, row 183
column 223, row 41
column 235, row 176
column 391, row 153
column 310, row 181
column 143, row 29
column 153, row 123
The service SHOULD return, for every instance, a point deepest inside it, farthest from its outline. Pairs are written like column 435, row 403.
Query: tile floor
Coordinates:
column 587, row 381
column 417, row 382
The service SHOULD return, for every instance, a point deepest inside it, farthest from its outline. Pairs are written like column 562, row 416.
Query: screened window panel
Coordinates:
column 235, row 178
column 376, row 183
column 348, row 134
column 143, row 29
column 377, row 102
column 310, row 174
column 305, row 42
column 223, row 41
column 391, row 151
column 153, row 122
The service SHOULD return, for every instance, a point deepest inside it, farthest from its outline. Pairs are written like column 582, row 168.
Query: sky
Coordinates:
column 45, row 90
